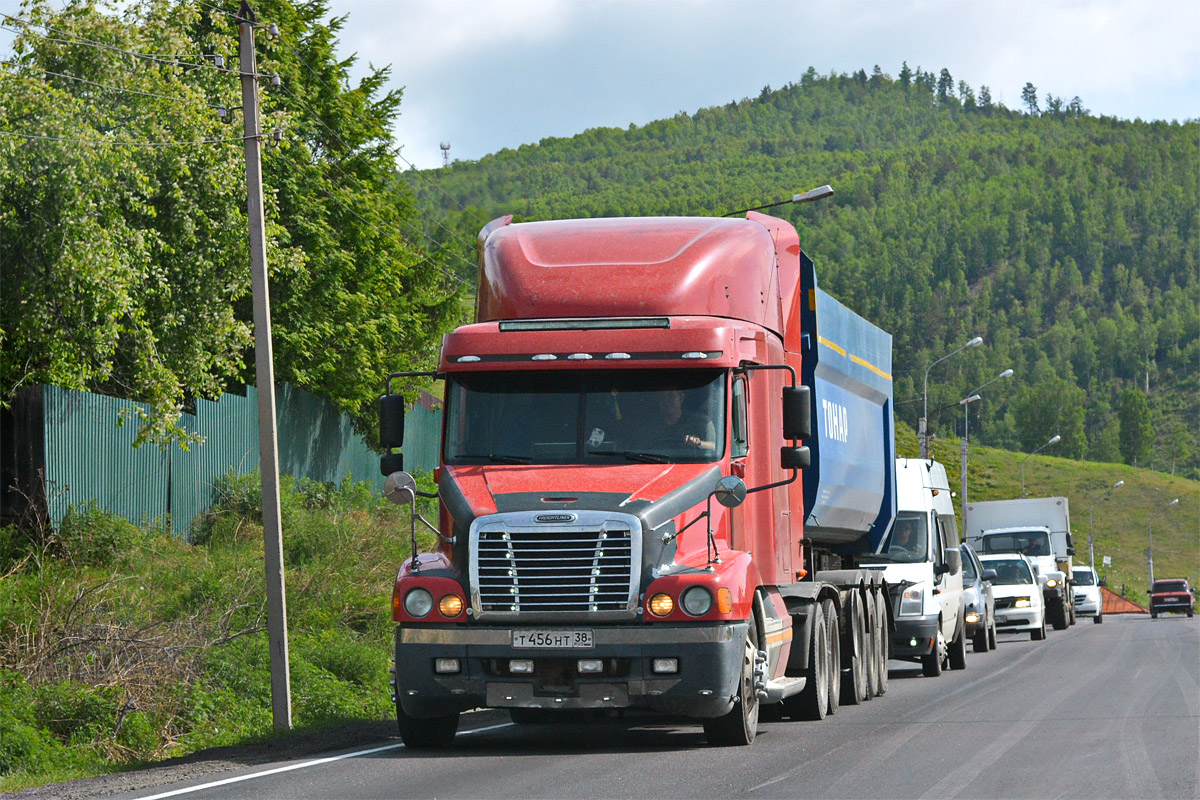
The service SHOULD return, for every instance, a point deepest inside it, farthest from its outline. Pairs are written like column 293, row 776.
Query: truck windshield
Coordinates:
column 585, row 417
column 1011, row 571
column 908, row 542
column 1029, row 543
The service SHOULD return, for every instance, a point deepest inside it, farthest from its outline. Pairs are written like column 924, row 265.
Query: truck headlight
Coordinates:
column 1051, row 583
column 911, row 601
column 696, row 601
column 418, row 603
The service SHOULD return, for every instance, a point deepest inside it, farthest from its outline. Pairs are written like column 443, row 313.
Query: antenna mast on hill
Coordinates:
column 445, row 153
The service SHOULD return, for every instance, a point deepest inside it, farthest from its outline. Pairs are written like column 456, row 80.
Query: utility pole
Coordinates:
column 264, row 371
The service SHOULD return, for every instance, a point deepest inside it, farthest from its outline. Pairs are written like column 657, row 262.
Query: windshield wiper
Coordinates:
column 496, row 458
column 633, row 455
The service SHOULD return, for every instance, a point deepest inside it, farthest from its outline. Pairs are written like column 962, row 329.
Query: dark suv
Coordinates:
column 1171, row 595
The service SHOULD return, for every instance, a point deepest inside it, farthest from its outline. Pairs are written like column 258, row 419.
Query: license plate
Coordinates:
column 549, row 639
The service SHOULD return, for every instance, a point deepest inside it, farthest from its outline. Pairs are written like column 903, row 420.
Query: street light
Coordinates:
column 922, row 434
column 1150, row 537
column 965, row 403
column 1096, row 499
column 1055, row 440
column 1006, row 374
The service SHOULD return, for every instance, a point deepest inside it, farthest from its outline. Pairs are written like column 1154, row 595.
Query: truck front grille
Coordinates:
column 589, row 566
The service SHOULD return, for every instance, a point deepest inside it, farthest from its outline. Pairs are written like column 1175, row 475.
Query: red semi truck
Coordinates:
column 622, row 375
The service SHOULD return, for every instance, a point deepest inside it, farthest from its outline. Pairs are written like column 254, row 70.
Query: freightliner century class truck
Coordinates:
column 622, row 375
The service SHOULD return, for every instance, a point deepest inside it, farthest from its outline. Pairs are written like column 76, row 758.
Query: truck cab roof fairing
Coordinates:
column 616, row 267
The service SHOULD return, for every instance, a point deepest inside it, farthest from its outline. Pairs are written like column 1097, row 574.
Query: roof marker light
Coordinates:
column 467, row 359
column 545, row 357
column 617, row 356
column 695, row 354
column 579, row 357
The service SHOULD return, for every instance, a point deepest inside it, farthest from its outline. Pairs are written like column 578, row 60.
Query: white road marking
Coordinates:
column 302, row 765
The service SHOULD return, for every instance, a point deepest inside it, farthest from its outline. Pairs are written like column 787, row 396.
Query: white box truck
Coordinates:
column 1039, row 528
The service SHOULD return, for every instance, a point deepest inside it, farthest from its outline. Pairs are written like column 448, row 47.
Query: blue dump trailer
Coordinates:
column 841, row 612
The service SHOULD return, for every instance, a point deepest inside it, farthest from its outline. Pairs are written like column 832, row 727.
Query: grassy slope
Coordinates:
column 1120, row 522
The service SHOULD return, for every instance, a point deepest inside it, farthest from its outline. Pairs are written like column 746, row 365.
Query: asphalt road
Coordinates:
column 1096, row 711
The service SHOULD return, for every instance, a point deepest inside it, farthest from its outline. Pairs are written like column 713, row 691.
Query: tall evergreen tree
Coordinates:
column 945, row 86
column 1029, row 98
column 1136, row 430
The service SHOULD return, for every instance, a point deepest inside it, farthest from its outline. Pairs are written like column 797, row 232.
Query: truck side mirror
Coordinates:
column 797, row 413
column 391, row 421
column 1070, row 551
column 989, row 575
column 795, row 457
column 730, row 491
column 392, row 462
column 954, row 561
column 400, row 488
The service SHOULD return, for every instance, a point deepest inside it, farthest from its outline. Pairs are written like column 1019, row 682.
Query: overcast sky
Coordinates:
column 488, row 74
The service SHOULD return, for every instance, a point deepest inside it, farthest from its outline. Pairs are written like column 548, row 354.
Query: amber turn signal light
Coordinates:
column 661, row 604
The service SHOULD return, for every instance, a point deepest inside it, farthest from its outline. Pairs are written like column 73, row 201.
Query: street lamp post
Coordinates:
column 1150, row 536
column 1054, row 440
column 1096, row 499
column 922, row 432
column 965, row 403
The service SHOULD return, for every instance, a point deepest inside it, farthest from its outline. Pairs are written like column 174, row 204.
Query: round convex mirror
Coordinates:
column 400, row 488
column 730, row 491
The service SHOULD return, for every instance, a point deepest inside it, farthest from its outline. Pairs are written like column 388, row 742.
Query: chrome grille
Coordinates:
column 588, row 566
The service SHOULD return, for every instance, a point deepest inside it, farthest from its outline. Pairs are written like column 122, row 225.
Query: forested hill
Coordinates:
column 1069, row 242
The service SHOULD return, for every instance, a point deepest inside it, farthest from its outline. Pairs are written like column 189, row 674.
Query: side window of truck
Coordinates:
column 741, row 433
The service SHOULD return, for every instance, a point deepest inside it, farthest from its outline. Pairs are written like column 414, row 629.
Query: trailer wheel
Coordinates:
column 813, row 701
column 739, row 726
column 862, row 655
column 882, row 643
column 834, row 633
column 426, row 734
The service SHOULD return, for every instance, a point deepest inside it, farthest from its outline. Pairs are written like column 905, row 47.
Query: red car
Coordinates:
column 1170, row 595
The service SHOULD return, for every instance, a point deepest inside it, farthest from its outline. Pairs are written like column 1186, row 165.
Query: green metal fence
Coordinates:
column 72, row 446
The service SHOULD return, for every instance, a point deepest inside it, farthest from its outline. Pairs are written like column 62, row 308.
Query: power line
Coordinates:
column 116, row 88
column 175, row 60
column 114, row 142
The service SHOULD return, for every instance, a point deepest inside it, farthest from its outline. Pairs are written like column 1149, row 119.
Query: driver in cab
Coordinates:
column 907, row 536
column 691, row 430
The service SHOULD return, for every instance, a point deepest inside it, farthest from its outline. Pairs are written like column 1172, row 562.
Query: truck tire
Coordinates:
column 1039, row 634
column 958, row 649
column 740, row 725
column 979, row 642
column 813, row 701
column 833, row 631
column 882, row 644
column 1071, row 611
column 931, row 664
column 426, row 734
column 1057, row 612
column 862, row 654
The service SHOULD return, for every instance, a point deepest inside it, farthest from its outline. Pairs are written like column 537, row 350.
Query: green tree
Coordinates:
column 125, row 267
column 1053, row 407
column 1137, row 435
column 906, row 75
column 1029, row 98
column 945, row 86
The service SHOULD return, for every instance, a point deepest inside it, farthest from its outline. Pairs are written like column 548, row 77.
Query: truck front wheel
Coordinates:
column 740, row 725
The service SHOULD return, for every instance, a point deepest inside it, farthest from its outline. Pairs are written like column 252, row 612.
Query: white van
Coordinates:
column 923, row 568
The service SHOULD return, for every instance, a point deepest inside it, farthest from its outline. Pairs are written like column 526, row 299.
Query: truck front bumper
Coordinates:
column 709, row 658
column 914, row 636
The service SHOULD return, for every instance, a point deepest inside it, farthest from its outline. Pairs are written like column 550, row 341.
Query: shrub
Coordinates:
column 92, row 537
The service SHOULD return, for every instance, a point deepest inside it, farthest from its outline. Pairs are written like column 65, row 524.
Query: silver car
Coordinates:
column 979, row 601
